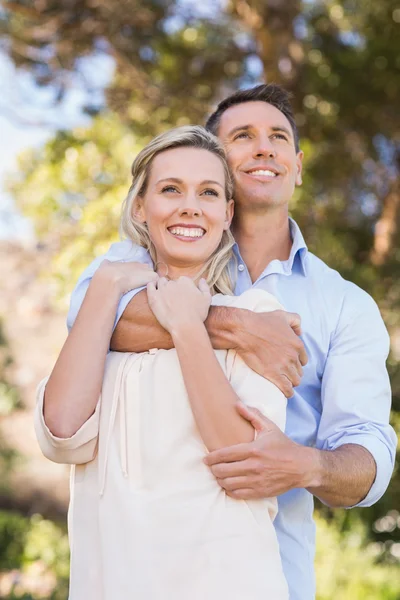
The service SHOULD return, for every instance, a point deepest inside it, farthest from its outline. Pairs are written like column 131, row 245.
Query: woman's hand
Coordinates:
column 125, row 276
column 179, row 303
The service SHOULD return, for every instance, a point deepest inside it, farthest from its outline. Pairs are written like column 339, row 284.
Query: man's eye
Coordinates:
column 169, row 188
column 241, row 135
column 279, row 136
column 211, row 192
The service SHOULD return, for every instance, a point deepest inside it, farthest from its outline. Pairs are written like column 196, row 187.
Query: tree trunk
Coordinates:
column 271, row 24
column 387, row 227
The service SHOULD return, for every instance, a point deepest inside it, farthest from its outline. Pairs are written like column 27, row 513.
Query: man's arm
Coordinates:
column 354, row 458
column 267, row 342
column 273, row 464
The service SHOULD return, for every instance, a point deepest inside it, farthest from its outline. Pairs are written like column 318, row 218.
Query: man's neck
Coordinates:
column 262, row 238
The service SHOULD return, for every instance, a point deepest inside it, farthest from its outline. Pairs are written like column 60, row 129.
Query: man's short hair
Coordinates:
column 272, row 93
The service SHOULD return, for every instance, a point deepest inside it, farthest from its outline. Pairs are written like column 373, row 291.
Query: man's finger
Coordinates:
column 285, row 385
column 233, row 483
column 244, row 494
column 232, row 470
column 303, row 356
column 294, row 321
column 299, row 368
column 254, row 416
column 229, row 454
column 293, row 375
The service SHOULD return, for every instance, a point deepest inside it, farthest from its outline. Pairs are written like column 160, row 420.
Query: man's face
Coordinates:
column 261, row 151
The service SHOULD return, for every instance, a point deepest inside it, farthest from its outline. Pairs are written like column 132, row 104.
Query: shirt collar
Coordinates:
column 297, row 254
column 299, row 247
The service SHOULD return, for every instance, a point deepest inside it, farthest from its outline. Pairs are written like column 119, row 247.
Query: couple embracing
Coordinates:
column 199, row 440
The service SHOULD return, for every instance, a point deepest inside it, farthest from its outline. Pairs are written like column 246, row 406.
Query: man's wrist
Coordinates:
column 224, row 324
column 310, row 467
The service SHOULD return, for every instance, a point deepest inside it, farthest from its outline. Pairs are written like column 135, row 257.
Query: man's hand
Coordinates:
column 269, row 466
column 269, row 343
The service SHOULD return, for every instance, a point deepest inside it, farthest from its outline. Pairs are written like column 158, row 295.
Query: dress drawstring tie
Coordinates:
column 119, row 394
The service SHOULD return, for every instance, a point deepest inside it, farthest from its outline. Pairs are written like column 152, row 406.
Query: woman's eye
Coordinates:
column 169, row 188
column 211, row 192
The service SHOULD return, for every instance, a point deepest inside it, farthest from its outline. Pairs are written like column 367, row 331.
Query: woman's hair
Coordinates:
column 216, row 269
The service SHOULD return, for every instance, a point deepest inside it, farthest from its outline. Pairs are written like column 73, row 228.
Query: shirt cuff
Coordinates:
column 383, row 460
column 78, row 448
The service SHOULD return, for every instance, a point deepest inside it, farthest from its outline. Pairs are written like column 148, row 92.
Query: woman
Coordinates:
column 147, row 518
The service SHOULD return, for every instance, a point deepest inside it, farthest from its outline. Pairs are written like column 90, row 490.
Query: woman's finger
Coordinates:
column 162, row 282
column 203, row 286
column 151, row 291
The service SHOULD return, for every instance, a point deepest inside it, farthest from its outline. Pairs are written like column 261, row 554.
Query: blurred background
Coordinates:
column 84, row 85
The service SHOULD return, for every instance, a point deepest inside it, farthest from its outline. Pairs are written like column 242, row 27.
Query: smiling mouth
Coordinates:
column 187, row 233
column 262, row 173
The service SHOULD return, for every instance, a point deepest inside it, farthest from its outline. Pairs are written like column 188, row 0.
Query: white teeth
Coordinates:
column 263, row 172
column 187, row 231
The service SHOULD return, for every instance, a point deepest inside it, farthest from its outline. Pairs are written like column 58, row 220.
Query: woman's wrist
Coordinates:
column 108, row 279
column 187, row 330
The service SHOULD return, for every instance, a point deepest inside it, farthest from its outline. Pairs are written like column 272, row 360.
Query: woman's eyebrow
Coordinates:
column 211, row 181
column 175, row 179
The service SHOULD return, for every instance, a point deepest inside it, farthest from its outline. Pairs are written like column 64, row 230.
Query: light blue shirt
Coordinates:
column 344, row 396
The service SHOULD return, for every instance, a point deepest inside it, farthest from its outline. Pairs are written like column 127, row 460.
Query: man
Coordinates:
column 338, row 444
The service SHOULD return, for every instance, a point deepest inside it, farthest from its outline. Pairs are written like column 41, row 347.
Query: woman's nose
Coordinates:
column 190, row 206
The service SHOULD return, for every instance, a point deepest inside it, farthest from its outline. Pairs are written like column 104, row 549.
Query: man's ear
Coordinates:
column 138, row 210
column 229, row 214
column 299, row 167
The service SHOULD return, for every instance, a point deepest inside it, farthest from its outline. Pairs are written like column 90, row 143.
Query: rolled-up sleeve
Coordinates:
column 124, row 251
column 80, row 448
column 356, row 395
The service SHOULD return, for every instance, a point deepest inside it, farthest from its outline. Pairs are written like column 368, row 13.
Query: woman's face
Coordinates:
column 185, row 206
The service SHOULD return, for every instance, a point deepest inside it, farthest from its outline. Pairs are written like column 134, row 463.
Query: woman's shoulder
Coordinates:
column 253, row 299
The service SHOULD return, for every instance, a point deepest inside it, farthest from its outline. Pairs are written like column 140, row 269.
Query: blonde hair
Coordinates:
column 216, row 269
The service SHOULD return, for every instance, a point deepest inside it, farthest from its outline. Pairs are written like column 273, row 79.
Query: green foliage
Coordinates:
column 9, row 401
column 348, row 567
column 34, row 558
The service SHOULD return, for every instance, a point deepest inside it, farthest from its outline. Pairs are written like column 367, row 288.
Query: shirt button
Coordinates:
column 241, row 267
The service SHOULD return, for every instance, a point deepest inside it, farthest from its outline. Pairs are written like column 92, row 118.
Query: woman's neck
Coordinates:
column 173, row 271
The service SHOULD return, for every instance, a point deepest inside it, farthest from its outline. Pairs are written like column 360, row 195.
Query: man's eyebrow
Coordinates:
column 282, row 128
column 239, row 128
column 274, row 128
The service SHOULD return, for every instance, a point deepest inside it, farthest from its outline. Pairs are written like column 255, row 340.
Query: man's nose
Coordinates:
column 190, row 206
column 264, row 148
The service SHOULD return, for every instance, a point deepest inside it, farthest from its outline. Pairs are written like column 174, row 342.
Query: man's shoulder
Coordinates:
column 346, row 295
column 125, row 250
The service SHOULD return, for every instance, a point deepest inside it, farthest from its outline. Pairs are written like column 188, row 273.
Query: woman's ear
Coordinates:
column 229, row 214
column 138, row 210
